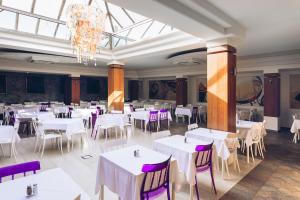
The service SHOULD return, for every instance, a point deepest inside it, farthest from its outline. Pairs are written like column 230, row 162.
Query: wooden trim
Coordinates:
column 221, row 49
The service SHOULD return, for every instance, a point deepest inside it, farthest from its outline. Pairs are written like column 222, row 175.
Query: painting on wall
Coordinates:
column 202, row 89
column 295, row 91
column 249, row 90
column 162, row 89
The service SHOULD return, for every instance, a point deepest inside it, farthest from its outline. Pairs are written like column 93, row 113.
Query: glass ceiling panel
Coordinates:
column 27, row 24
column 154, row 29
column 138, row 31
column 46, row 28
column 67, row 4
column 47, row 8
column 18, row 4
column 63, row 32
column 7, row 19
column 136, row 17
column 120, row 15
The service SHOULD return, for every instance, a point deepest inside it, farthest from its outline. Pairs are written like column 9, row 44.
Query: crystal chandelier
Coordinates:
column 86, row 24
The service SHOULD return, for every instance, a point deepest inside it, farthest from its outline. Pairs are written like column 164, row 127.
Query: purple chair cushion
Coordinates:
column 153, row 116
column 19, row 168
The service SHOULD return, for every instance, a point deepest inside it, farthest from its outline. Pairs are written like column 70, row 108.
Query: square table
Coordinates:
column 185, row 111
column 122, row 173
column 184, row 153
column 52, row 184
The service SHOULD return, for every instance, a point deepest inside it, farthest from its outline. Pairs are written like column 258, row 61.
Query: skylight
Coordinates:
column 48, row 18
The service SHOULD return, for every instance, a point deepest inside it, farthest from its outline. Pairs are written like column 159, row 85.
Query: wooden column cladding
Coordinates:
column 221, row 88
column 181, row 91
column 75, row 90
column 72, row 90
column 272, row 95
column 116, row 87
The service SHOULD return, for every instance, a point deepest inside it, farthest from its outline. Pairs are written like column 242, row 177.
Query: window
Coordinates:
column 35, row 84
column 2, row 84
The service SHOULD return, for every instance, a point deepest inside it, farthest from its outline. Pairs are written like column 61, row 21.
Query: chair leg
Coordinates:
column 36, row 143
column 212, row 179
column 43, row 148
column 196, row 188
column 61, row 149
column 237, row 162
column 226, row 166
column 2, row 149
column 251, row 150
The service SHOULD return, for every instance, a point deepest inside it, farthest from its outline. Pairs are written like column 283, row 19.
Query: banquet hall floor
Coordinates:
column 83, row 171
column 277, row 176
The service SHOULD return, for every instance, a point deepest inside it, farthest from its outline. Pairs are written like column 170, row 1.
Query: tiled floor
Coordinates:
column 277, row 176
column 84, row 171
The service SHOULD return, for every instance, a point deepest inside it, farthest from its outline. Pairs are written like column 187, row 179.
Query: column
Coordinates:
column 181, row 91
column 115, row 86
column 221, row 88
column 272, row 100
column 72, row 90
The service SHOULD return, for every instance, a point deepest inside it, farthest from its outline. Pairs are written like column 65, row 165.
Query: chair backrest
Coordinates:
column 163, row 114
column 131, row 108
column 12, row 118
column 153, row 116
column 195, row 110
column 256, row 132
column 19, row 168
column 156, row 179
column 204, row 156
column 192, row 126
column 94, row 118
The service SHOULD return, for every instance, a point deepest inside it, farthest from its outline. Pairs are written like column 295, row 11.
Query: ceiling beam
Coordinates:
column 109, row 16
column 90, row 2
column 133, row 26
column 37, row 26
column 17, row 21
column 147, row 29
column 32, row 6
column 125, row 11
column 62, row 5
column 113, row 17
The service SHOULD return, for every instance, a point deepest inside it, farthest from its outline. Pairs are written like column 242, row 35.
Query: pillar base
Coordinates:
column 272, row 123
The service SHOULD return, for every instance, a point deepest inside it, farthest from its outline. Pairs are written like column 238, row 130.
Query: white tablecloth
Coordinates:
column 216, row 136
column 41, row 116
column 121, row 172
column 8, row 134
column 70, row 126
column 62, row 109
column 184, row 111
column 111, row 120
column 52, row 184
column 295, row 126
column 184, row 153
column 84, row 113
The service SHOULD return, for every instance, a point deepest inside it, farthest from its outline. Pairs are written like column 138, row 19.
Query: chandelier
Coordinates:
column 86, row 24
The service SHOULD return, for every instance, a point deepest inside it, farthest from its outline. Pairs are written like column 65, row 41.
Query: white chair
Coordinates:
column 82, row 133
column 192, row 126
column 42, row 137
column 297, row 134
column 232, row 144
column 264, row 133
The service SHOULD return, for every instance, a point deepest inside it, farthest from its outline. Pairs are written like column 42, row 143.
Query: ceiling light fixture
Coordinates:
column 86, row 24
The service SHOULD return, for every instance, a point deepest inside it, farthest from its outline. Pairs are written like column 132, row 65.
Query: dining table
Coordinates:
column 51, row 184
column 185, row 155
column 121, row 172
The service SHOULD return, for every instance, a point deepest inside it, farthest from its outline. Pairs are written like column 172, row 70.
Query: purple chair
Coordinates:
column 94, row 118
column 154, row 190
column 12, row 118
column 132, row 109
column 19, row 168
column 99, row 111
column 203, row 163
column 163, row 116
column 70, row 112
column 153, row 119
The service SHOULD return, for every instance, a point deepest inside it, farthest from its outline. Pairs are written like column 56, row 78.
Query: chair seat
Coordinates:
column 155, row 194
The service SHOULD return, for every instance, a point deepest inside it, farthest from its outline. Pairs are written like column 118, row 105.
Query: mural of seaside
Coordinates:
column 249, row 90
column 162, row 89
column 295, row 91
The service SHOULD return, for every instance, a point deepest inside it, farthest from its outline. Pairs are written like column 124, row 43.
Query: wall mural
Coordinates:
column 295, row 91
column 249, row 90
column 162, row 89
